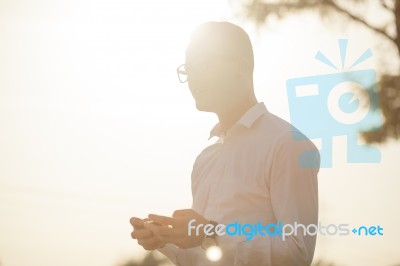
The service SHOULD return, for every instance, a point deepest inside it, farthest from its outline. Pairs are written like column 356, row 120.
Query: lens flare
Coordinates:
column 214, row 253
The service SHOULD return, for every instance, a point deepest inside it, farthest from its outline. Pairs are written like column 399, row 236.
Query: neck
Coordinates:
column 230, row 116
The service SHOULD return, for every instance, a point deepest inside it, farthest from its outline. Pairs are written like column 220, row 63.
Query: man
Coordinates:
column 254, row 173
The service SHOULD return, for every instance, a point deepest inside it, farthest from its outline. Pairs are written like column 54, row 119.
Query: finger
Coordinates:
column 169, row 234
column 150, row 222
column 164, row 220
column 136, row 222
column 150, row 243
column 158, row 229
column 182, row 212
column 164, row 232
column 141, row 233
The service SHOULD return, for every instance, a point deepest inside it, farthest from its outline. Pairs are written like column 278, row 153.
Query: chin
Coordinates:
column 201, row 108
column 204, row 107
column 205, row 103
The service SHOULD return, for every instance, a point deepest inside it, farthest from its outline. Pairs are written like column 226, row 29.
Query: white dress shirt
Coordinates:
column 252, row 174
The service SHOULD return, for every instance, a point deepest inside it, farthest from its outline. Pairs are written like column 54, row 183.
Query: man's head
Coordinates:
column 219, row 64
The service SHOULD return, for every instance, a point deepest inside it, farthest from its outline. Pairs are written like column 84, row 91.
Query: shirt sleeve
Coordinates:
column 293, row 190
column 170, row 251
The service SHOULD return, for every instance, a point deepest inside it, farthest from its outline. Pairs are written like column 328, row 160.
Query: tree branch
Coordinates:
column 360, row 20
column 397, row 21
column 260, row 10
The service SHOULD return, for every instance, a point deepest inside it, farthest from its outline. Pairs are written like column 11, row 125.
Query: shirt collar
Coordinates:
column 247, row 120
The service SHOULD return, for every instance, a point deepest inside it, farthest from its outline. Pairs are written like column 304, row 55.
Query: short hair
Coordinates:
column 228, row 37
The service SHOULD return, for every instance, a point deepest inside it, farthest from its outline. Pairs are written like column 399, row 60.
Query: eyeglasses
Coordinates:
column 182, row 74
column 200, row 67
column 204, row 66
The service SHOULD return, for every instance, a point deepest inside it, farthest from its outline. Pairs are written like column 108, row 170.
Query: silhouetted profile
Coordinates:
column 249, row 175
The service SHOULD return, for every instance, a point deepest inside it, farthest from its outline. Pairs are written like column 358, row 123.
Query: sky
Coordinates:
column 95, row 126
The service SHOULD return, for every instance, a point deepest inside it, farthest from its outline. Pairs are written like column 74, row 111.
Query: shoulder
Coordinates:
column 286, row 140
column 277, row 130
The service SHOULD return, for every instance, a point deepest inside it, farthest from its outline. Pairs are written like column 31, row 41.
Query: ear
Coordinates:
column 242, row 69
column 245, row 65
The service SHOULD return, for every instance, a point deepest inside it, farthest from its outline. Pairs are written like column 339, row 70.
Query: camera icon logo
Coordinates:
column 338, row 104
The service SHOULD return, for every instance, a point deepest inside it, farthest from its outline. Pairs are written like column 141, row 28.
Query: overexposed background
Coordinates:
column 95, row 127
